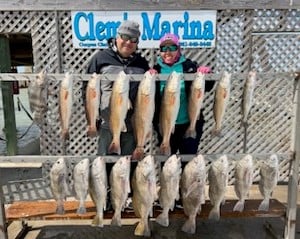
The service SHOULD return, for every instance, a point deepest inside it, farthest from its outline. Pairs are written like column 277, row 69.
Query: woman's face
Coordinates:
column 169, row 53
column 126, row 45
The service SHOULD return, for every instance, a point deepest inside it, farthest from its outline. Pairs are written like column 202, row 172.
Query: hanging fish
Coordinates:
column 65, row 104
column 92, row 104
column 248, row 96
column 222, row 96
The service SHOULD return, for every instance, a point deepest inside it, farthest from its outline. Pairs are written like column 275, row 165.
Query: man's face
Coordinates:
column 126, row 45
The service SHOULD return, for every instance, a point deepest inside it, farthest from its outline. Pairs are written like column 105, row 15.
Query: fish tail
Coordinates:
column 214, row 214
column 92, row 131
column 264, row 205
column 65, row 134
column 81, row 210
column 138, row 153
column 163, row 219
column 190, row 133
column 114, row 148
column 190, row 225
column 60, row 209
column 116, row 219
column 97, row 221
column 165, row 149
column 142, row 229
column 239, row 206
column 216, row 132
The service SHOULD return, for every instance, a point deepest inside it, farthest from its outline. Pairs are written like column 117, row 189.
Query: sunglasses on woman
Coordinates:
column 126, row 37
column 171, row 48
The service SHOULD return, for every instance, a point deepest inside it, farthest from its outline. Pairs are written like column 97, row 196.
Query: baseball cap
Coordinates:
column 130, row 28
column 169, row 38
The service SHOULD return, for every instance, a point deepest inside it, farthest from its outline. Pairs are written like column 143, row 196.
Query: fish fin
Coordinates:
column 92, row 131
column 81, row 210
column 146, row 100
column 60, row 209
column 172, row 100
column 114, row 148
column 94, row 93
column 138, row 153
column 264, row 205
column 163, row 219
column 124, row 128
column 239, row 206
column 142, row 230
column 97, row 221
column 189, row 226
column 165, row 149
column 190, row 133
column 66, row 94
column 190, row 189
column 199, row 93
column 225, row 93
column 214, row 214
column 129, row 105
column 216, row 132
column 116, row 221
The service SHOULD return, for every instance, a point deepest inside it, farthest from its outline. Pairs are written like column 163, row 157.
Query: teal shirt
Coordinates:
column 182, row 116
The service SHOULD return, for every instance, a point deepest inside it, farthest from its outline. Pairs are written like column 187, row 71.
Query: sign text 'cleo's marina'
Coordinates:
column 194, row 28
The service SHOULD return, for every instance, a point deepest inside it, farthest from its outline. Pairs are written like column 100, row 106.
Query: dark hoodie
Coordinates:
column 108, row 61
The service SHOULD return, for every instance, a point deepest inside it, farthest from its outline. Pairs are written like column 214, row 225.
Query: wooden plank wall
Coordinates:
column 122, row 5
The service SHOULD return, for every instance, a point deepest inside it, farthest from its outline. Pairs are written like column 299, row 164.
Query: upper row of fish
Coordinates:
column 167, row 185
column 144, row 106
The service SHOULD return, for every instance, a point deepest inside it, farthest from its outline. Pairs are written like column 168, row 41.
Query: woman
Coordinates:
column 170, row 60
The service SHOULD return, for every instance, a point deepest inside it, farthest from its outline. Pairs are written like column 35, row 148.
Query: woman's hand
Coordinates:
column 204, row 69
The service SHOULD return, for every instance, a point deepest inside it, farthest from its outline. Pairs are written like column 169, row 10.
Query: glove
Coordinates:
column 152, row 71
column 204, row 69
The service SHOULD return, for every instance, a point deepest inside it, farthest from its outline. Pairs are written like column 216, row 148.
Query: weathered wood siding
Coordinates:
column 94, row 5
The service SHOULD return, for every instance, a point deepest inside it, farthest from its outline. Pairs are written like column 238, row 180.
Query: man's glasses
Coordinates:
column 171, row 48
column 126, row 37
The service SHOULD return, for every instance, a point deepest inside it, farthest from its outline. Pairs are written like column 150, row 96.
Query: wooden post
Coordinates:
column 290, row 223
column 7, row 99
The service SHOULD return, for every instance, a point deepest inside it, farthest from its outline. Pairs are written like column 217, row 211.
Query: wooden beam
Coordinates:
column 7, row 99
column 102, row 5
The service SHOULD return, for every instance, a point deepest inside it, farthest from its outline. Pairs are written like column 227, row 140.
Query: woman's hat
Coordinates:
column 169, row 38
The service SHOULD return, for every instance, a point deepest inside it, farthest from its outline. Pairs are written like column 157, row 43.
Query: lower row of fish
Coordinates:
column 168, row 184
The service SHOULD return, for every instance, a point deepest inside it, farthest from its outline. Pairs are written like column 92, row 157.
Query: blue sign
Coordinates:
column 196, row 29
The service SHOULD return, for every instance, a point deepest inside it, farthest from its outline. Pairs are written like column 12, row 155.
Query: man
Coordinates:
column 120, row 55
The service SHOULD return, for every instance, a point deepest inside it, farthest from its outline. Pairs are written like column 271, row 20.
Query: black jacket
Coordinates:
column 108, row 61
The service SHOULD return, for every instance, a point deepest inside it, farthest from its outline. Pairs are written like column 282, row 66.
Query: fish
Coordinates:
column 92, row 104
column 65, row 104
column 196, row 97
column 58, row 183
column 169, row 191
column 119, row 179
column 269, row 173
column 222, row 95
column 144, row 194
column 144, row 112
column 192, row 188
column 243, row 181
column 119, row 105
column 248, row 95
column 169, row 110
column 218, row 180
column 37, row 95
column 81, row 183
column 98, row 188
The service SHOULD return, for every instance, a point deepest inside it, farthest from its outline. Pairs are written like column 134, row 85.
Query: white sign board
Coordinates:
column 196, row 29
